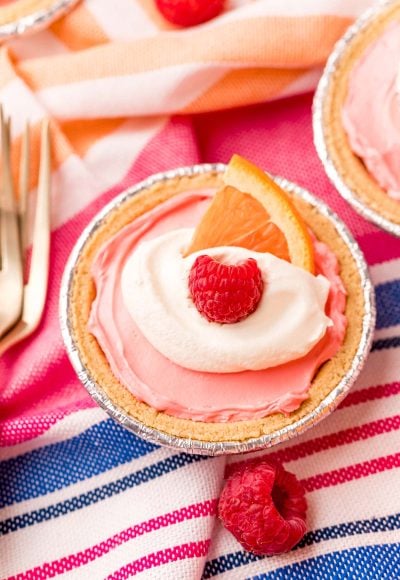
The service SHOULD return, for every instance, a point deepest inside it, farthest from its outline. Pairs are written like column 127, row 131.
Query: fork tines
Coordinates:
column 11, row 273
column 21, row 306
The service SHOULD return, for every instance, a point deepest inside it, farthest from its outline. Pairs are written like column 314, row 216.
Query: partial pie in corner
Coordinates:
column 357, row 116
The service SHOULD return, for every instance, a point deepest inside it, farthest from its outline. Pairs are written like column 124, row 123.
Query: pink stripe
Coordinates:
column 357, row 471
column 379, row 247
column 331, row 441
column 50, row 569
column 18, row 431
column 182, row 552
column 370, row 394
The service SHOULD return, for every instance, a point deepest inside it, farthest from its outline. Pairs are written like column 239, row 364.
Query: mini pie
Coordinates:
column 350, row 168
column 83, row 292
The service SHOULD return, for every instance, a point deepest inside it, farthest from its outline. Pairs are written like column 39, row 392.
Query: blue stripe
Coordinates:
column 228, row 562
column 388, row 304
column 99, row 448
column 100, row 493
column 381, row 562
column 383, row 343
column 384, row 524
column 241, row 558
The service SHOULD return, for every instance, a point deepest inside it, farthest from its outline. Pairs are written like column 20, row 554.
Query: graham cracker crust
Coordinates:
column 348, row 165
column 83, row 294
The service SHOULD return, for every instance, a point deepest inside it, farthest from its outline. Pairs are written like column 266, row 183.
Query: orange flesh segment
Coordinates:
column 237, row 219
column 246, row 177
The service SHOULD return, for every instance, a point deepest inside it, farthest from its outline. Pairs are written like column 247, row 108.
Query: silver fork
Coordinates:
column 34, row 291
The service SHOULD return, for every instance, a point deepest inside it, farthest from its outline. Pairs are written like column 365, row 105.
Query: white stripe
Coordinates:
column 151, row 92
column 303, row 84
column 387, row 332
column 183, row 570
column 188, row 531
column 339, row 457
column 21, row 104
column 86, row 485
column 111, row 157
column 370, row 501
column 242, row 9
column 84, row 528
column 67, row 427
column 73, row 187
column 386, row 271
column 125, row 21
column 77, row 182
column 39, row 45
column 382, row 367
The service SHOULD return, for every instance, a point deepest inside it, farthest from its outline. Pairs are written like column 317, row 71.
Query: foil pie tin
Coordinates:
column 326, row 406
column 35, row 19
column 319, row 123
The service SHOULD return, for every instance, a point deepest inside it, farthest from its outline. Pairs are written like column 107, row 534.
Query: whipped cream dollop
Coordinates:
column 371, row 112
column 288, row 321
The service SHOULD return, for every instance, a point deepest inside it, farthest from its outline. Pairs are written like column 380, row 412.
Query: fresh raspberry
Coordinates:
column 225, row 293
column 264, row 507
column 189, row 12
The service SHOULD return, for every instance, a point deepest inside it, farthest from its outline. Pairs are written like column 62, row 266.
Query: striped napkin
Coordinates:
column 80, row 496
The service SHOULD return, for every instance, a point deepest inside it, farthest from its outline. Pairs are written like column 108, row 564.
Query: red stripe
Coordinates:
column 344, row 437
column 357, row 471
column 182, row 552
column 50, row 569
column 16, row 431
column 370, row 394
column 379, row 247
column 330, row 441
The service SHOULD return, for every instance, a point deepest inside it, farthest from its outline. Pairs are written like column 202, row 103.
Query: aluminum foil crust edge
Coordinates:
column 320, row 141
column 326, row 406
column 37, row 20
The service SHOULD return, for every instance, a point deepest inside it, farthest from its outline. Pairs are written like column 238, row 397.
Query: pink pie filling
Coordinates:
column 199, row 396
column 371, row 112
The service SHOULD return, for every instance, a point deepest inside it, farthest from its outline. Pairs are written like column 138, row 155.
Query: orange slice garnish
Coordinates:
column 237, row 219
column 253, row 212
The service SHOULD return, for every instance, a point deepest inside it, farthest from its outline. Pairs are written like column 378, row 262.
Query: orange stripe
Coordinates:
column 72, row 137
column 7, row 73
column 79, row 30
column 83, row 134
column 244, row 87
column 269, row 42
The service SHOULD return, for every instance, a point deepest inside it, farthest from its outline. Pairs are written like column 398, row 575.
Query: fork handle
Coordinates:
column 36, row 289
